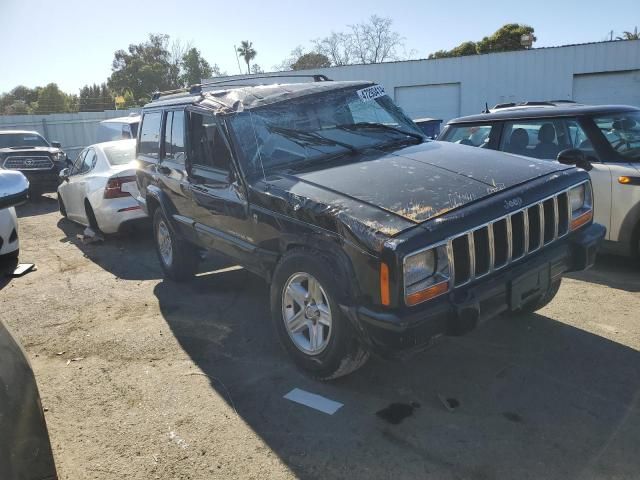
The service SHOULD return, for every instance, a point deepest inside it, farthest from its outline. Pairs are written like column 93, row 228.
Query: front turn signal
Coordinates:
column 385, row 295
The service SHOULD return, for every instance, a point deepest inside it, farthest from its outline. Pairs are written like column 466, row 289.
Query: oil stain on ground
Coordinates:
column 397, row 412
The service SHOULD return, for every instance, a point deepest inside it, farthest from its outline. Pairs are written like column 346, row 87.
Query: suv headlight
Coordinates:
column 426, row 275
column 59, row 156
column 581, row 204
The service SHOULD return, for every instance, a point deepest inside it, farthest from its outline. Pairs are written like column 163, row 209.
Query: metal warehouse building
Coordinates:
column 595, row 73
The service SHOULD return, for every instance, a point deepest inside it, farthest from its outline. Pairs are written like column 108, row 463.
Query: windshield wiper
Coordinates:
column 379, row 126
column 310, row 138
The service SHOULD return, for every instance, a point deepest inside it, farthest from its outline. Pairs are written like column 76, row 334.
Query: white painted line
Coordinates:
column 314, row 401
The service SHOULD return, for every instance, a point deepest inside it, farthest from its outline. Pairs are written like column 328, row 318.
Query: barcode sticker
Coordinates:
column 371, row 93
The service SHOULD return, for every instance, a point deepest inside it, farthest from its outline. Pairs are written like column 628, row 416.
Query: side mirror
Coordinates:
column 14, row 189
column 56, row 144
column 574, row 156
column 64, row 175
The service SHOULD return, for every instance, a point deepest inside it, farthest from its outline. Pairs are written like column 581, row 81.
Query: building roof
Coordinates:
column 233, row 99
column 562, row 110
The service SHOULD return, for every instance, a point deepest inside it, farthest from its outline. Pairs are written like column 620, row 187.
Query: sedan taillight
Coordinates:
column 114, row 187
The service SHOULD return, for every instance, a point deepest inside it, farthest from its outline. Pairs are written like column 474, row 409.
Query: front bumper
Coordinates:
column 43, row 180
column 396, row 333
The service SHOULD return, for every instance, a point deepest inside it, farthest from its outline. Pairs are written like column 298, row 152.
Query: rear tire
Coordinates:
column 542, row 301
column 61, row 207
column 91, row 217
column 178, row 258
column 308, row 320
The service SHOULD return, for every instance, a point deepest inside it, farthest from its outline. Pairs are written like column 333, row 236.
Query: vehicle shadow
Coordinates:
column 613, row 271
column 129, row 255
column 535, row 398
column 40, row 205
column 7, row 266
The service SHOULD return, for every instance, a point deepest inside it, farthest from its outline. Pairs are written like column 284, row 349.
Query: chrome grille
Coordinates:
column 484, row 249
column 28, row 162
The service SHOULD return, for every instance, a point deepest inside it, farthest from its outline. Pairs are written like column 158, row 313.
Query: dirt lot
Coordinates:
column 186, row 381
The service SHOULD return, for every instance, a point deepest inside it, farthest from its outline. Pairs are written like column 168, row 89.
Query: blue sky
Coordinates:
column 71, row 42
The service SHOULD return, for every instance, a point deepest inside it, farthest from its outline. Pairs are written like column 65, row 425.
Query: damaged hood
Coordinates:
column 424, row 181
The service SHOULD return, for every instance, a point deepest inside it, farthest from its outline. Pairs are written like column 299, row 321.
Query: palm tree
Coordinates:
column 247, row 52
column 635, row 35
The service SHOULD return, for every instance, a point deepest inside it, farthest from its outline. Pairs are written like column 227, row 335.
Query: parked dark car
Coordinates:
column 28, row 152
column 25, row 450
column 604, row 139
column 372, row 238
column 429, row 126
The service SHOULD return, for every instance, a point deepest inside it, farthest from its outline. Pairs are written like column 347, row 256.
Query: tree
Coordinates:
column 371, row 42
column 337, row 47
column 18, row 107
column 51, row 100
column 247, row 52
column 144, row 68
column 311, row 60
column 256, row 69
column 375, row 41
column 635, row 35
column 95, row 98
column 505, row 39
column 195, row 68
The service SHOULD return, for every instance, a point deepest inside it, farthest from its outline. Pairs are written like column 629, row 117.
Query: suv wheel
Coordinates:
column 544, row 300
column 309, row 322
column 178, row 259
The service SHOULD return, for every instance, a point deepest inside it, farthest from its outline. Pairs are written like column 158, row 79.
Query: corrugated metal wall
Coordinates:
column 537, row 74
column 73, row 130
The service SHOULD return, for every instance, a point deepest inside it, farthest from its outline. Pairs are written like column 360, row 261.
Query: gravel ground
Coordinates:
column 146, row 379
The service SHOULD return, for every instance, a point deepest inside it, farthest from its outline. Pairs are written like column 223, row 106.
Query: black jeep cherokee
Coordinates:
column 373, row 239
column 29, row 153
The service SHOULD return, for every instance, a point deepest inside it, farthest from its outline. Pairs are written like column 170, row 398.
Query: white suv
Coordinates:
column 609, row 137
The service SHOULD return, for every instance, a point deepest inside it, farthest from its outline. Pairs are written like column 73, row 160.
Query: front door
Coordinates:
column 220, row 207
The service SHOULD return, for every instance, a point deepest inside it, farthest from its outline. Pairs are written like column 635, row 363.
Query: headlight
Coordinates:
column 426, row 275
column 581, row 204
column 58, row 157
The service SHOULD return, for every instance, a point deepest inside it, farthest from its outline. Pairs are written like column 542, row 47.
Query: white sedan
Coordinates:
column 13, row 185
column 99, row 189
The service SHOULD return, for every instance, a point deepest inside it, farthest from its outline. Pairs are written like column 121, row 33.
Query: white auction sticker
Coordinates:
column 371, row 93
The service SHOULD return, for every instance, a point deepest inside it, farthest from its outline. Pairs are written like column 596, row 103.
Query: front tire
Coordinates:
column 308, row 320
column 178, row 258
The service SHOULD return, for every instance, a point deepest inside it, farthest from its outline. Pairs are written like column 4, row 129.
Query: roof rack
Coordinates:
column 545, row 103
column 197, row 88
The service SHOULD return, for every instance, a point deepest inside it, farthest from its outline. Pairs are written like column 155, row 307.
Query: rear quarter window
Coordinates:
column 150, row 135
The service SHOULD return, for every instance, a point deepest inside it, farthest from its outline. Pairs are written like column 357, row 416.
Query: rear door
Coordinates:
column 172, row 176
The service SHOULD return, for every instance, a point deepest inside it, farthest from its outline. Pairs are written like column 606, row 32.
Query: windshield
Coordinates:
column 310, row 130
column 622, row 131
column 8, row 140
column 121, row 153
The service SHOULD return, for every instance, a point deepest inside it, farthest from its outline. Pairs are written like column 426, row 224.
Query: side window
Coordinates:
column 126, row 131
column 472, row 135
column 89, row 161
column 75, row 168
column 150, row 135
column 177, row 137
column 544, row 138
column 577, row 138
column 174, row 136
column 207, row 146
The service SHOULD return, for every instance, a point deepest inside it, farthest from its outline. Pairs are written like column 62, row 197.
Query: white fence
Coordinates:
column 73, row 130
